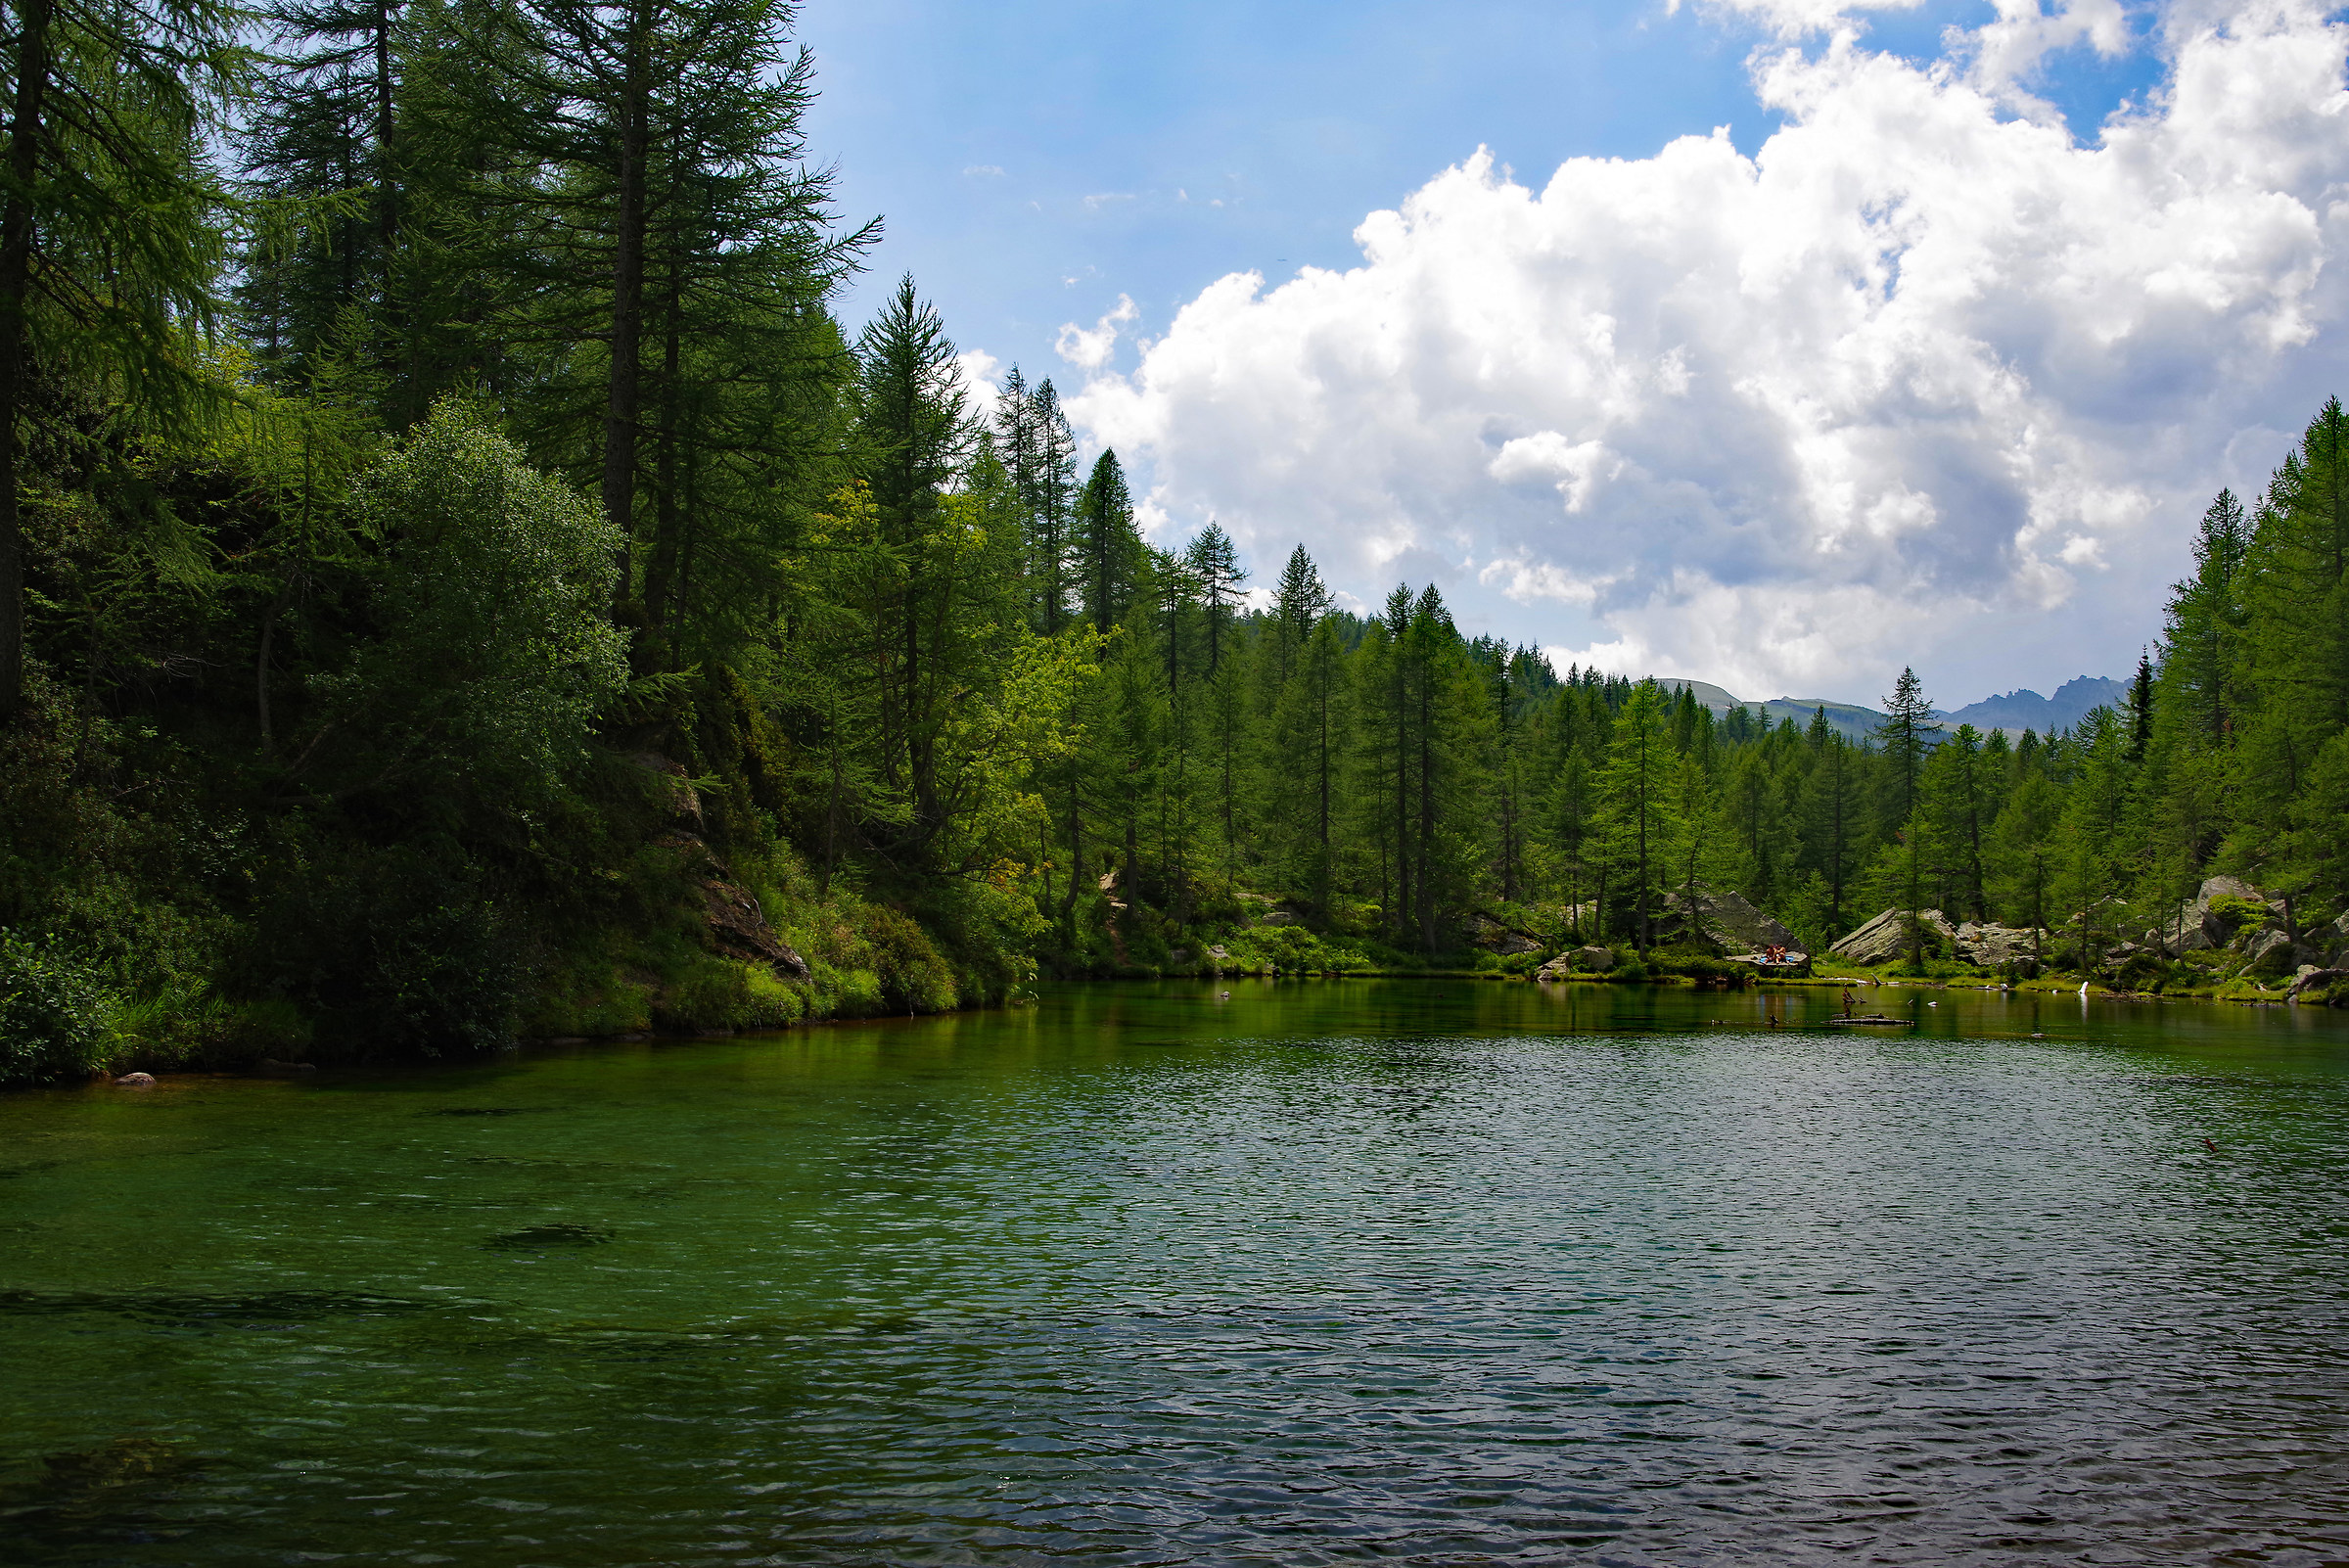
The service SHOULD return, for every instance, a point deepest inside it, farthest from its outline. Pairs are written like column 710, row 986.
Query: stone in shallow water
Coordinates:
column 536, row 1238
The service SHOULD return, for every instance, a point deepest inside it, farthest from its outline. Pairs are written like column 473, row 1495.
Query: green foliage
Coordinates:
column 397, row 951
column 538, row 612
column 494, row 648
column 56, row 1014
column 2237, row 913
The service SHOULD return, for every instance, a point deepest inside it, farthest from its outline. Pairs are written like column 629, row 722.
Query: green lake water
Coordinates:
column 1321, row 1271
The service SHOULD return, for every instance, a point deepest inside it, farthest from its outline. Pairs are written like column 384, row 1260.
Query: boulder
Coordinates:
column 2194, row 928
column 1886, row 936
column 1219, row 954
column 1511, row 946
column 1591, row 959
column 1725, row 920
column 2272, row 952
column 2312, row 978
column 1990, row 944
column 2332, row 939
column 1278, row 917
column 136, row 1080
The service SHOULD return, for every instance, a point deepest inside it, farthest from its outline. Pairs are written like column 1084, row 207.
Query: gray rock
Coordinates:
column 1991, row 945
column 2312, row 978
column 2194, row 928
column 1511, row 946
column 1588, row 960
column 135, row 1081
column 1886, row 936
column 1219, row 954
column 2272, row 952
column 1727, row 920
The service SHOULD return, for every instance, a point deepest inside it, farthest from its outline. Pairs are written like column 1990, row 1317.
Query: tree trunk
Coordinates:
column 16, row 285
column 660, row 573
column 627, row 287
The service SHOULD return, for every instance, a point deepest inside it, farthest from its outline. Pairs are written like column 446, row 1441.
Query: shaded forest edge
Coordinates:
column 460, row 581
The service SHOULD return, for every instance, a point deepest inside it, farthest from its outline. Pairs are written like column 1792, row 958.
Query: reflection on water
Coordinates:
column 1324, row 1273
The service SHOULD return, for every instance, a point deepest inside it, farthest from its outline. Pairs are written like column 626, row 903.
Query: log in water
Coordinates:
column 1324, row 1273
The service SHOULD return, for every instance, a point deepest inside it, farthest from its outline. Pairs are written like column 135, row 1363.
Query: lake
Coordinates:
column 1312, row 1272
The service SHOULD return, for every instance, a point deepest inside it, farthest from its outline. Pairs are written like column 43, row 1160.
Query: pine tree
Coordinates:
column 1833, row 817
column 1636, row 788
column 911, row 422
column 110, row 236
column 2202, row 633
column 1108, row 549
column 1906, row 735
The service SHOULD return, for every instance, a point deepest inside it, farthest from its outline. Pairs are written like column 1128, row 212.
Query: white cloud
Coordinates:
column 1923, row 372
column 979, row 372
column 985, row 171
column 1090, row 348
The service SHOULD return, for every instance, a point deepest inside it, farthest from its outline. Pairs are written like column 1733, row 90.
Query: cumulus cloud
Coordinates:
column 979, row 375
column 1090, row 348
column 1926, row 377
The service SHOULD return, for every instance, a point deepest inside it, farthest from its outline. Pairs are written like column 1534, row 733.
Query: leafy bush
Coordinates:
column 398, row 951
column 1631, row 972
column 728, row 993
column 913, row 977
column 2235, row 914
column 55, row 1014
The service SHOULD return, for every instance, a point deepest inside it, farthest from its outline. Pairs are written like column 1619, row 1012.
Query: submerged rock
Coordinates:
column 135, row 1081
column 537, row 1238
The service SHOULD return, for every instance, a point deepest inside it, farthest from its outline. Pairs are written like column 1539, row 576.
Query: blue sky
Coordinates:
column 1298, row 118
column 1788, row 494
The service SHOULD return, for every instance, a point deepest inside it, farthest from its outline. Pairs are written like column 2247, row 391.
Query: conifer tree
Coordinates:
column 111, row 234
column 1108, row 549
column 1906, row 735
column 1636, row 789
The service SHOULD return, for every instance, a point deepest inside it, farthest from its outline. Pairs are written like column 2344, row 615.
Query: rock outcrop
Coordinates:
column 1886, row 936
column 1991, row 945
column 1591, row 959
column 2273, row 953
column 2311, row 978
column 2194, row 927
column 737, row 926
column 1727, row 920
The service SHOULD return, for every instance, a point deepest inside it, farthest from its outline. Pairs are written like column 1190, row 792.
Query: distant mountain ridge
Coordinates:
column 2014, row 712
column 2024, row 709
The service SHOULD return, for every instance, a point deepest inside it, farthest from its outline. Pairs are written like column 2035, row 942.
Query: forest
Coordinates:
column 461, row 580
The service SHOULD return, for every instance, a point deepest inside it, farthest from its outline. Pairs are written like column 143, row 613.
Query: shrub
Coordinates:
column 2235, row 914
column 913, row 977
column 55, row 1014
column 399, row 951
column 728, row 993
